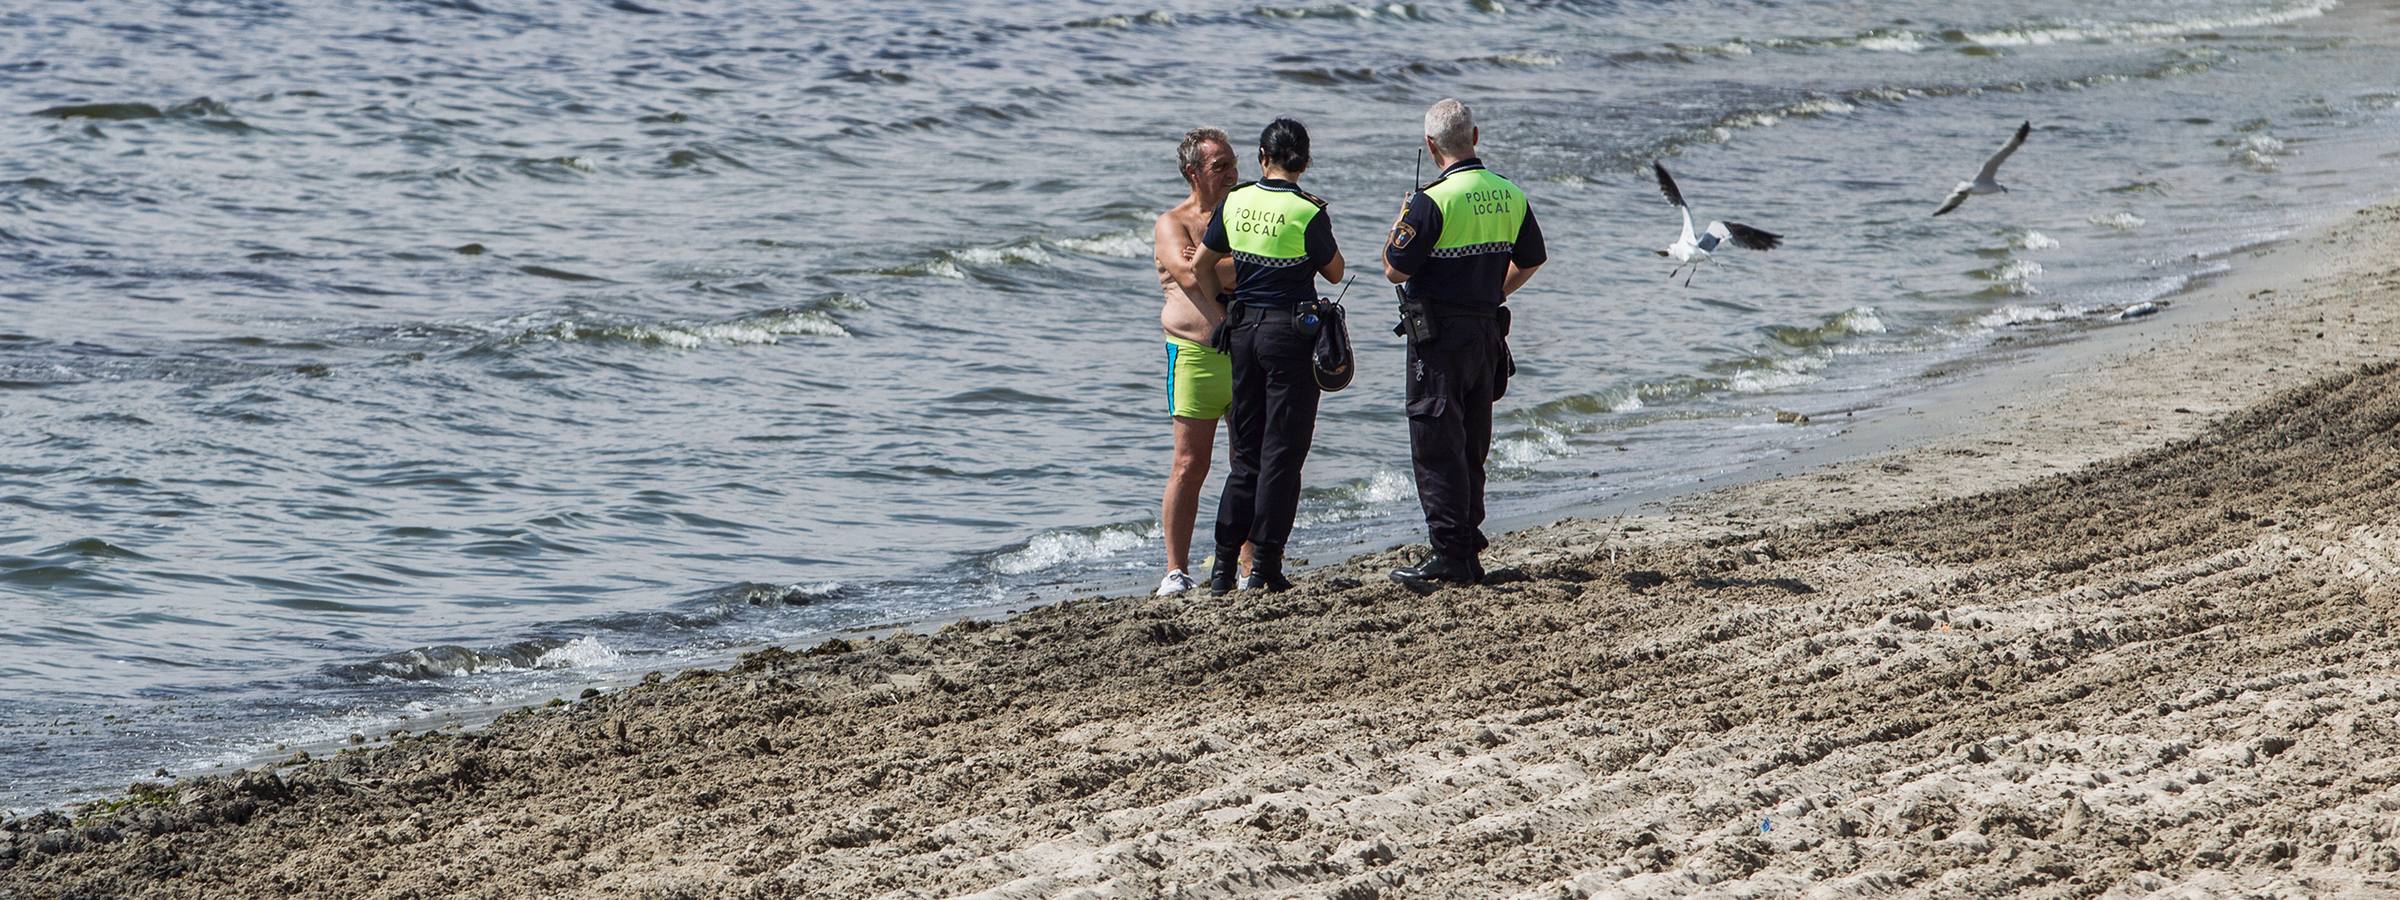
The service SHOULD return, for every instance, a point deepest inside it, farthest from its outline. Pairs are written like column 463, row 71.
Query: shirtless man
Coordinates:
column 1199, row 377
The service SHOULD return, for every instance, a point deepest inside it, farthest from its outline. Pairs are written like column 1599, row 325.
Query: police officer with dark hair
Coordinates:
column 1462, row 244
column 1279, row 236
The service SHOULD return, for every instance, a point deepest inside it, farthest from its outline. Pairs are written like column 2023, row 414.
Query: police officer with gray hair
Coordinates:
column 1462, row 244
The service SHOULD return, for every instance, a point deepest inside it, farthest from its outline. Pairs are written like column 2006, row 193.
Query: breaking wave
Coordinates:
column 1857, row 320
column 767, row 327
column 2256, row 148
column 1357, row 498
column 2036, row 34
column 1123, row 20
column 1125, row 245
column 2013, row 315
column 1899, row 39
column 1056, row 549
column 2010, row 278
column 2121, row 220
column 453, row 661
column 2030, row 239
column 1768, row 118
column 1769, row 375
column 1393, row 11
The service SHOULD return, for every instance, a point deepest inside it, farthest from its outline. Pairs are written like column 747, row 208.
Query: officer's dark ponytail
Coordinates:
column 1284, row 145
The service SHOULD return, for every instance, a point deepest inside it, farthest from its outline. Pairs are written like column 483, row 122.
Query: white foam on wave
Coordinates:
column 582, row 652
column 2096, row 31
column 1126, row 245
column 1892, row 41
column 1821, row 106
column 1386, row 486
column 1340, row 11
column 2260, row 151
column 1529, row 58
column 1050, row 550
column 1787, row 372
column 2012, row 277
column 946, row 263
column 450, row 661
column 1153, row 17
column 765, row 328
column 1540, row 444
column 2017, row 270
column 2121, row 220
column 2024, row 315
column 1001, row 255
column 1360, row 499
column 760, row 594
column 1860, row 320
column 2030, row 239
column 1805, row 109
column 1735, row 47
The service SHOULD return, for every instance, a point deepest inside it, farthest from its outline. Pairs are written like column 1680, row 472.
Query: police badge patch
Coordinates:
column 1402, row 232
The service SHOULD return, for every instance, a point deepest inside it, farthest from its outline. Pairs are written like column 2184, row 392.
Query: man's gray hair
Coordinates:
column 1187, row 154
column 1451, row 127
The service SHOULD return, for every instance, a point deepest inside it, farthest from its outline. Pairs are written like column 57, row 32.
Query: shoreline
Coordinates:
column 1998, row 364
column 1111, row 742
column 2033, row 408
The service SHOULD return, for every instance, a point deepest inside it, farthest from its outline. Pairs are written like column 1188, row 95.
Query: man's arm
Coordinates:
column 1528, row 254
column 1174, row 251
column 1517, row 276
column 1412, row 237
column 1214, row 247
column 1204, row 271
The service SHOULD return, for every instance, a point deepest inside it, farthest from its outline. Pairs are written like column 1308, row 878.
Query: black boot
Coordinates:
column 1266, row 571
column 1438, row 569
column 1221, row 577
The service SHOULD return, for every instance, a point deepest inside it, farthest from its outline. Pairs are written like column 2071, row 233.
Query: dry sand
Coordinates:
column 2066, row 641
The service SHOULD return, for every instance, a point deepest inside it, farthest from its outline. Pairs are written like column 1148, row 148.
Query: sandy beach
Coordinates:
column 2106, row 618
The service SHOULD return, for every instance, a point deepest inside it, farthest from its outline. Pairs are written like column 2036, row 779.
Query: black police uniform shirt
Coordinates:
column 1283, row 287
column 1467, row 281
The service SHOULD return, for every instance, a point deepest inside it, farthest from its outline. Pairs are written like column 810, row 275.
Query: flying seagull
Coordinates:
column 1984, row 183
column 1692, row 250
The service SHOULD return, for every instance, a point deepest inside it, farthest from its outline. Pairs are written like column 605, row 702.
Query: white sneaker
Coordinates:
column 1176, row 582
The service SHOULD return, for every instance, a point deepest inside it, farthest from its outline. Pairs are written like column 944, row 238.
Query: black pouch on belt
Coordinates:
column 1222, row 338
column 1306, row 318
column 1416, row 320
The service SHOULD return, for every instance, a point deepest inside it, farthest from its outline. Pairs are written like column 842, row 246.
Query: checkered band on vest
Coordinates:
column 1267, row 262
column 1474, row 250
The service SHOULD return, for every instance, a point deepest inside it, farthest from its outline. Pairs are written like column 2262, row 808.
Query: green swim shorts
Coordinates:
column 1199, row 380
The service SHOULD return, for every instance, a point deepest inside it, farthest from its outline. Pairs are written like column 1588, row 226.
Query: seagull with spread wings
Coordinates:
column 1695, row 248
column 1986, row 181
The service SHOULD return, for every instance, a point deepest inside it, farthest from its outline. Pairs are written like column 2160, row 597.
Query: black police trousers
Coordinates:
column 1274, row 417
column 1452, row 381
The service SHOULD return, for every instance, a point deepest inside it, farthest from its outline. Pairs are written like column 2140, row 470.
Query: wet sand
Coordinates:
column 2110, row 620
